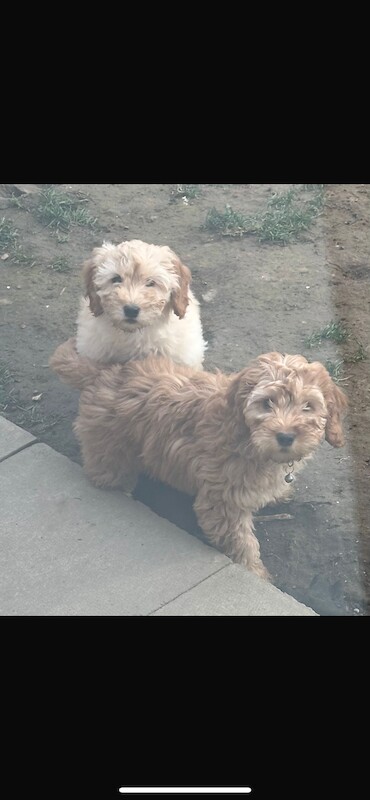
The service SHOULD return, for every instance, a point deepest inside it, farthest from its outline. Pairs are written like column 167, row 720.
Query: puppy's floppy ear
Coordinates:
column 88, row 270
column 244, row 382
column 180, row 296
column 337, row 403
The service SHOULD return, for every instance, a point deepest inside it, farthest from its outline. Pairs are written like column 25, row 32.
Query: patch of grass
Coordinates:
column 226, row 223
column 16, row 201
column 58, row 210
column 335, row 370
column 19, row 257
column 60, row 265
column 187, row 191
column 9, row 242
column 309, row 187
column 61, row 237
column 359, row 355
column 287, row 215
column 284, row 218
column 333, row 331
column 8, row 234
column 336, row 332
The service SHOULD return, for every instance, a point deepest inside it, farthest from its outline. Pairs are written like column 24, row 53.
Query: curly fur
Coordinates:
column 226, row 439
column 152, row 279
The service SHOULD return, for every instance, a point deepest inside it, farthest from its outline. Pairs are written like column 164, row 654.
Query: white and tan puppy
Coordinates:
column 138, row 302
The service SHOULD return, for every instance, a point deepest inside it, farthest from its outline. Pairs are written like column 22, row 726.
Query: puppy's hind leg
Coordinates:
column 112, row 474
column 110, row 467
column 230, row 529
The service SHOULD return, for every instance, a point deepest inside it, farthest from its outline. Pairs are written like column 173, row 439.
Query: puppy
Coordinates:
column 232, row 441
column 138, row 302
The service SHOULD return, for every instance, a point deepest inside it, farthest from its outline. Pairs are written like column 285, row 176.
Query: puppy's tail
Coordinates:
column 78, row 371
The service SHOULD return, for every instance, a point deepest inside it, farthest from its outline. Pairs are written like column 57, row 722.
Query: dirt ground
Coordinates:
column 255, row 297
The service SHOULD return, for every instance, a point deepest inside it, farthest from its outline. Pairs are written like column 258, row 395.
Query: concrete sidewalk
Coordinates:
column 68, row 549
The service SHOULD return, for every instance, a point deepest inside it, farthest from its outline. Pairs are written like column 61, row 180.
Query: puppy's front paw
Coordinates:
column 128, row 484
column 262, row 572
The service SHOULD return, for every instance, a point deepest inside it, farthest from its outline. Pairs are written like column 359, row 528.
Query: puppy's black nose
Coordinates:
column 131, row 311
column 285, row 439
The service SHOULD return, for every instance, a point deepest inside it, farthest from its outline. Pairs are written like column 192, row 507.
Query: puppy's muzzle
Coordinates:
column 285, row 439
column 131, row 312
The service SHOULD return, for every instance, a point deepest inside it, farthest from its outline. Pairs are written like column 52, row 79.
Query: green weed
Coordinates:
column 9, row 241
column 226, row 223
column 359, row 355
column 61, row 237
column 57, row 210
column 333, row 331
column 284, row 218
column 287, row 215
column 16, row 201
column 60, row 265
column 187, row 191
column 8, row 234
column 335, row 370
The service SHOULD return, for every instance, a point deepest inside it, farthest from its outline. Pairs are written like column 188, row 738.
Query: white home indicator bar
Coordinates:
column 185, row 789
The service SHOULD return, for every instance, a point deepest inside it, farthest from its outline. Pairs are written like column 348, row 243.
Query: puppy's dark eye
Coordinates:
column 150, row 283
column 117, row 279
column 268, row 404
column 307, row 407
